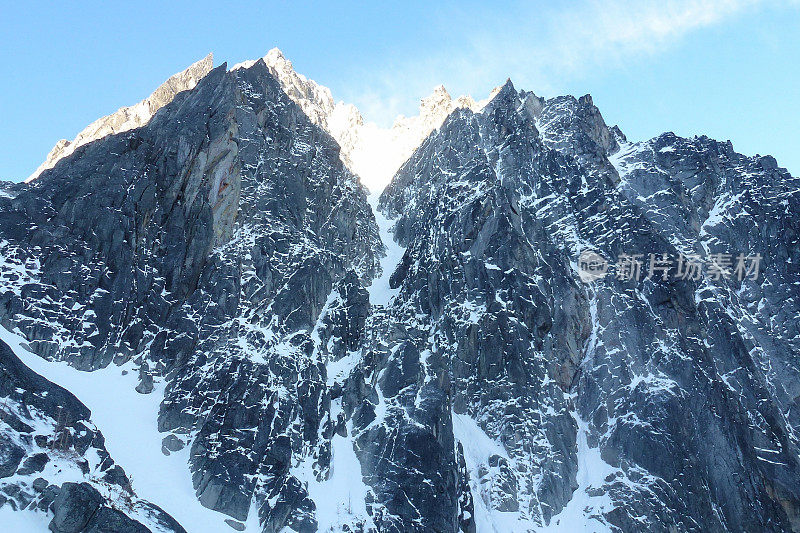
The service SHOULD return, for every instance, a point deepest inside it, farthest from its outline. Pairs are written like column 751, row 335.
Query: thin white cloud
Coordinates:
column 538, row 47
column 616, row 29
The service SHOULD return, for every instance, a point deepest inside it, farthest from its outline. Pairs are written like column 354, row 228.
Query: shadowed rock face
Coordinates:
column 204, row 245
column 224, row 248
column 685, row 391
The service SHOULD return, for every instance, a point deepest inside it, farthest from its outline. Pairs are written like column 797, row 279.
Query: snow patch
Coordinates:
column 340, row 499
column 584, row 512
column 379, row 291
column 128, row 421
column 478, row 448
column 21, row 521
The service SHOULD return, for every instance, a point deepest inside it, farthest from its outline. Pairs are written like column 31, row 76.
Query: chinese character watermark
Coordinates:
column 629, row 266
column 593, row 266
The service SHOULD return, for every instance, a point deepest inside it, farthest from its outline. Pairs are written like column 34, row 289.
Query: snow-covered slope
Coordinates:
column 129, row 425
column 63, row 452
column 372, row 152
column 377, row 153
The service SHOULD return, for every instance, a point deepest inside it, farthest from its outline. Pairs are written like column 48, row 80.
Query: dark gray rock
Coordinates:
column 171, row 443
column 466, row 503
column 159, row 518
column 78, row 508
column 73, row 508
column 145, row 385
column 238, row 526
column 48, row 496
column 11, row 456
column 34, row 463
column 107, row 520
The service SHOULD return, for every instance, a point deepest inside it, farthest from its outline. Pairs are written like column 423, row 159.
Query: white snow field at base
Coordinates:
column 340, row 499
column 128, row 422
column 22, row 521
column 579, row 514
column 576, row 517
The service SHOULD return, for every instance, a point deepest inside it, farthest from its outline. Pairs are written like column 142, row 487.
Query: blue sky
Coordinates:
column 726, row 68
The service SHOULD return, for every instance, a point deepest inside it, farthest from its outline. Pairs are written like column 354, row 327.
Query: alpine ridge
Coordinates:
column 127, row 118
column 209, row 323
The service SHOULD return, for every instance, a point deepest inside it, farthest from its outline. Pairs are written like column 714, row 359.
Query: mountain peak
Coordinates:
column 439, row 92
column 498, row 353
column 502, row 93
column 205, row 63
column 276, row 54
column 275, row 59
column 127, row 118
column 437, row 103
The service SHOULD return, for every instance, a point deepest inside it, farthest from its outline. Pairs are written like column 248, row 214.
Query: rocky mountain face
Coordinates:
column 204, row 247
column 615, row 400
column 439, row 364
column 372, row 152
